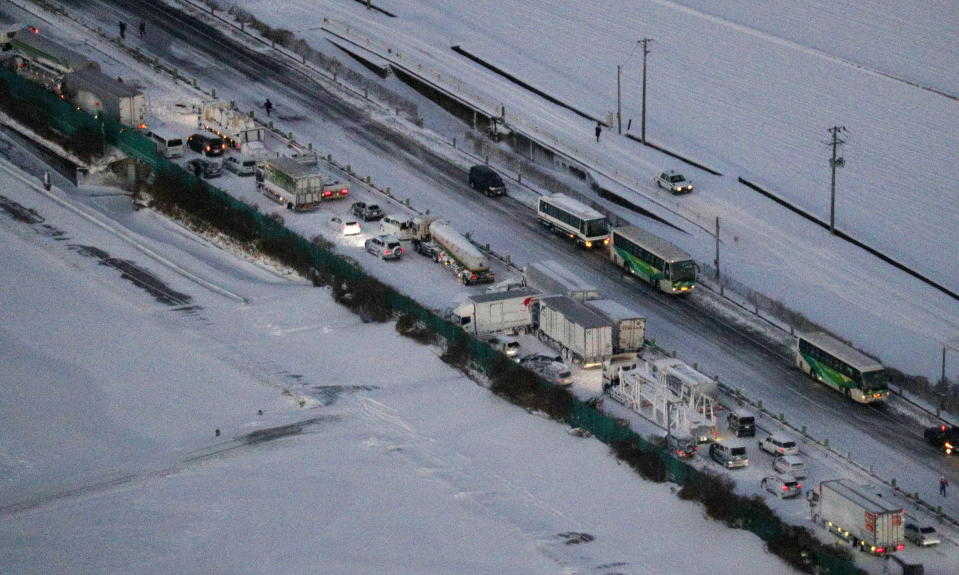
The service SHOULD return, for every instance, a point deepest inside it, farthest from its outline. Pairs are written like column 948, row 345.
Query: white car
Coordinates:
column 240, row 165
column 346, row 227
column 779, row 444
column 922, row 536
column 784, row 486
column 790, row 465
column 674, row 182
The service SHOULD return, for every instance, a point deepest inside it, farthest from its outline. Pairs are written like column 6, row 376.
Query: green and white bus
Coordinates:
column 573, row 219
column 663, row 265
column 841, row 367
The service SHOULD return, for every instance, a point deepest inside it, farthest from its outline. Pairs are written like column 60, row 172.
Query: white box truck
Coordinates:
column 551, row 278
column 580, row 333
column 496, row 312
column 629, row 327
column 860, row 516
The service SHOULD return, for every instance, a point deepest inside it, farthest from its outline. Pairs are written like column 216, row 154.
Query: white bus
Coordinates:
column 841, row 367
column 573, row 219
column 168, row 143
column 663, row 265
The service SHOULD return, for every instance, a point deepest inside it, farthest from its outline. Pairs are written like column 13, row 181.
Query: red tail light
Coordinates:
column 344, row 191
column 472, row 276
column 799, row 486
column 785, row 488
column 900, row 547
column 880, row 549
column 386, row 252
column 327, row 193
column 942, row 428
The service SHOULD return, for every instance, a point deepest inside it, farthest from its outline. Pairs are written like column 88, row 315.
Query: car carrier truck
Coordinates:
column 860, row 516
column 298, row 186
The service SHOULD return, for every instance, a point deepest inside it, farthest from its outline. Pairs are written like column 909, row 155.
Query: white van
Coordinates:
column 240, row 164
column 169, row 144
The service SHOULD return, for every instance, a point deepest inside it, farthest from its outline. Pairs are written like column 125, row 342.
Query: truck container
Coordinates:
column 41, row 59
column 96, row 93
column 580, row 333
column 496, row 312
column 629, row 327
column 860, row 516
column 223, row 119
column 443, row 244
column 297, row 185
column 551, row 278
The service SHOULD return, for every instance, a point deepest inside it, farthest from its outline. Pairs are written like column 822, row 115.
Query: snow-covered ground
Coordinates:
column 749, row 88
column 370, row 454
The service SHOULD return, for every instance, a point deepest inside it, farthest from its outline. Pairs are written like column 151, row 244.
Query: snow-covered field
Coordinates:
column 370, row 454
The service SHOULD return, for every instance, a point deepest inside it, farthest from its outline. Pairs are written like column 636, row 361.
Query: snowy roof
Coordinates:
column 557, row 272
column 858, row 493
column 501, row 295
column 296, row 169
column 850, row 354
column 37, row 46
column 574, row 205
column 665, row 249
column 575, row 311
column 613, row 309
column 99, row 83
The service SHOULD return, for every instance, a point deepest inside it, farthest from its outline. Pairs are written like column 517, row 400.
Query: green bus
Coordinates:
column 663, row 265
column 841, row 367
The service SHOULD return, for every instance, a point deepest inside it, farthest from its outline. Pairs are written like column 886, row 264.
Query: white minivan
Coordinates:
column 240, row 164
column 168, row 143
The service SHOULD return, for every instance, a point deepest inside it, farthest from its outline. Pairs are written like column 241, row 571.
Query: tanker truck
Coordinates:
column 441, row 243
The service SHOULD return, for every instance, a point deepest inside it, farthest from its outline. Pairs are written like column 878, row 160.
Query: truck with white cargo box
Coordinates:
column 96, row 93
column 551, row 278
column 629, row 327
column 496, row 312
column 860, row 516
column 297, row 185
column 581, row 334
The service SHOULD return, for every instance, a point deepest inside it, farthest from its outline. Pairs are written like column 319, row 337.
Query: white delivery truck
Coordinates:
column 629, row 327
column 497, row 312
column 859, row 515
column 551, row 278
column 580, row 333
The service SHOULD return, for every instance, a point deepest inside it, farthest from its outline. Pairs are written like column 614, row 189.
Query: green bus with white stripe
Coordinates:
column 841, row 367
column 658, row 262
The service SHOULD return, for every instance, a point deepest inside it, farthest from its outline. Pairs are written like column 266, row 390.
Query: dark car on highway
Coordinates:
column 206, row 144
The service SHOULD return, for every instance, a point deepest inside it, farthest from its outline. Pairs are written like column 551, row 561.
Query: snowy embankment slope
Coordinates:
column 751, row 101
column 111, row 398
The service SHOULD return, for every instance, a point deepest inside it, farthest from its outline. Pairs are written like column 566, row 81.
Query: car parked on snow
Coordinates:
column 368, row 212
column 674, row 182
column 790, row 465
column 240, row 165
column 553, row 372
column 206, row 144
column 922, row 536
column 945, row 437
column 385, row 247
column 783, row 486
column 508, row 346
column 484, row 179
column 205, row 168
column 779, row 444
column 347, row 227
column 730, row 454
column 741, row 422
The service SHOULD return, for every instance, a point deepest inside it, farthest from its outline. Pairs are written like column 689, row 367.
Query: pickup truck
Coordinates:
column 944, row 437
column 368, row 212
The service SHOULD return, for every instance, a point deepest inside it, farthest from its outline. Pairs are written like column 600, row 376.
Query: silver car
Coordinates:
column 385, row 247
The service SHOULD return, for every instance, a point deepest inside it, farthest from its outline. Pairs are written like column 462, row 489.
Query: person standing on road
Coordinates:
column 943, row 483
column 123, row 30
column 268, row 106
column 142, row 28
column 599, row 130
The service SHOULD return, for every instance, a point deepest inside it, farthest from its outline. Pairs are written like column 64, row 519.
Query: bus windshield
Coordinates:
column 875, row 380
column 682, row 271
column 593, row 228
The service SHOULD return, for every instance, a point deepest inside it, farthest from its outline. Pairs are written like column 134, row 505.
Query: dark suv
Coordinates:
column 369, row 212
column 484, row 179
column 206, row 144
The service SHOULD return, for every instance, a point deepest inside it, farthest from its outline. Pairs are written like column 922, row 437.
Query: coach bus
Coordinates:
column 841, row 367
column 663, row 265
column 573, row 219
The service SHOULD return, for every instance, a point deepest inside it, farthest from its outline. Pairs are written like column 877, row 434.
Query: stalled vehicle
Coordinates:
column 783, row 487
column 484, row 179
column 742, row 423
column 347, row 227
column 206, row 168
column 729, row 454
column 299, row 186
column 207, row 144
column 790, row 465
column 367, row 212
column 857, row 514
column 240, row 165
column 779, row 444
column 385, row 247
column 944, row 437
column 923, row 536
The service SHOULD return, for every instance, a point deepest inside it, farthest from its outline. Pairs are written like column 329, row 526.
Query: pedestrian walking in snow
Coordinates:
column 599, row 130
column 943, row 483
column 142, row 28
column 123, row 30
column 268, row 105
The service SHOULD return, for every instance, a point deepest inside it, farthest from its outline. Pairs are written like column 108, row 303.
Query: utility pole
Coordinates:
column 645, row 42
column 835, row 162
column 717, row 248
column 619, row 99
